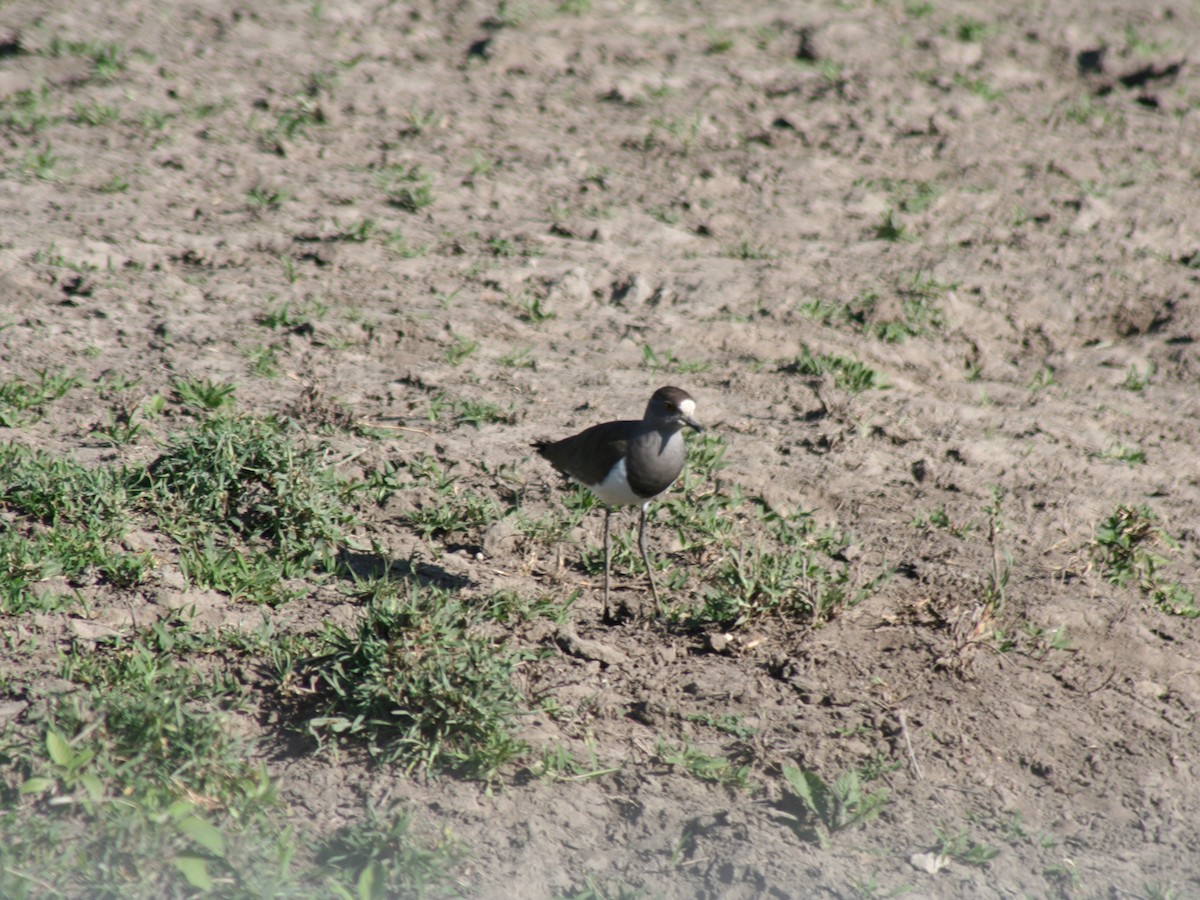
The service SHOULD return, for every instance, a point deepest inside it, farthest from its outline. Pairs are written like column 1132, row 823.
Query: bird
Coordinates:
column 629, row 463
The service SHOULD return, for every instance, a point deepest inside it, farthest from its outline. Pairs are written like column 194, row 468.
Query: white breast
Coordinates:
column 614, row 490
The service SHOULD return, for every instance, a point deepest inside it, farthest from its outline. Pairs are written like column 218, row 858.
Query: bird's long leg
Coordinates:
column 646, row 559
column 607, row 514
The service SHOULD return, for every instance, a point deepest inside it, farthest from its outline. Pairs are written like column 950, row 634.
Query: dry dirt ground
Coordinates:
column 558, row 207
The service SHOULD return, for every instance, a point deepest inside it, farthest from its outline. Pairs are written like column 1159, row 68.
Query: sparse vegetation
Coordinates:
column 848, row 374
column 833, row 806
column 289, row 606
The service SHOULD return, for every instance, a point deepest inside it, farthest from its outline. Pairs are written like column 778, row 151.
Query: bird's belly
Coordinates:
column 614, row 490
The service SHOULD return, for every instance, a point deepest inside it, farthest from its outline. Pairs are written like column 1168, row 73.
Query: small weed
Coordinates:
column 910, row 196
column 1136, row 379
column 979, row 87
column 729, row 724
column 95, row 114
column 295, row 120
column 407, row 187
column 456, row 354
column 1086, row 110
column 355, row 232
column 289, row 318
column 995, row 593
column 26, row 110
column 959, row 847
column 478, row 412
column 108, row 60
column 667, row 361
column 1120, row 453
column 719, row 40
column 700, row 765
column 203, row 394
column 264, row 360
column 749, row 251
column 1042, row 379
column 461, row 513
column 834, row 807
column 121, row 429
column 118, row 184
column 531, row 309
column 22, row 402
column 968, row 29
column 521, row 358
column 1128, row 547
column 890, row 228
column 480, row 165
column 848, row 374
column 264, row 198
column 418, row 121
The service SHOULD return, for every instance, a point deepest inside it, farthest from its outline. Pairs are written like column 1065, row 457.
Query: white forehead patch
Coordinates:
column 688, row 407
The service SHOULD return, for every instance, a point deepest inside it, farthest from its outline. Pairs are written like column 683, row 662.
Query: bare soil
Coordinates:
column 688, row 177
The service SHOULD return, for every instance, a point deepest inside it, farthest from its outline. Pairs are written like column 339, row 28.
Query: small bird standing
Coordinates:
column 629, row 463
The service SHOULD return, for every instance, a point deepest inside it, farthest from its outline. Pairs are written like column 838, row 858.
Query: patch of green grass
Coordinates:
column 890, row 228
column 421, row 683
column 379, row 856
column 23, row 402
column 1129, row 548
column 757, row 562
column 667, row 361
column 1136, row 379
column 50, row 256
column 520, row 358
column 68, row 520
column 355, row 232
column 406, row 187
column 203, row 394
column 833, row 807
column 958, row 846
column 248, row 480
column 118, row 184
column 443, row 507
column 418, row 120
column 969, row 29
column 121, row 429
column 479, row 412
column 263, row 198
column 456, row 354
column 1042, row 379
column 848, row 374
column 728, row 724
column 136, row 785
column 980, row 87
column 719, row 40
column 531, row 309
column 909, row 196
column 295, row 120
column 287, row 317
column 95, row 113
column 108, row 60
column 1086, row 110
column 27, row 110
column 264, row 360
column 746, row 250
column 798, row 581
column 1132, row 456
column 692, row 760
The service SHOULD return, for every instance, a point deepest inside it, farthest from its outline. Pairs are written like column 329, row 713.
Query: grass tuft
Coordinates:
column 422, row 682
